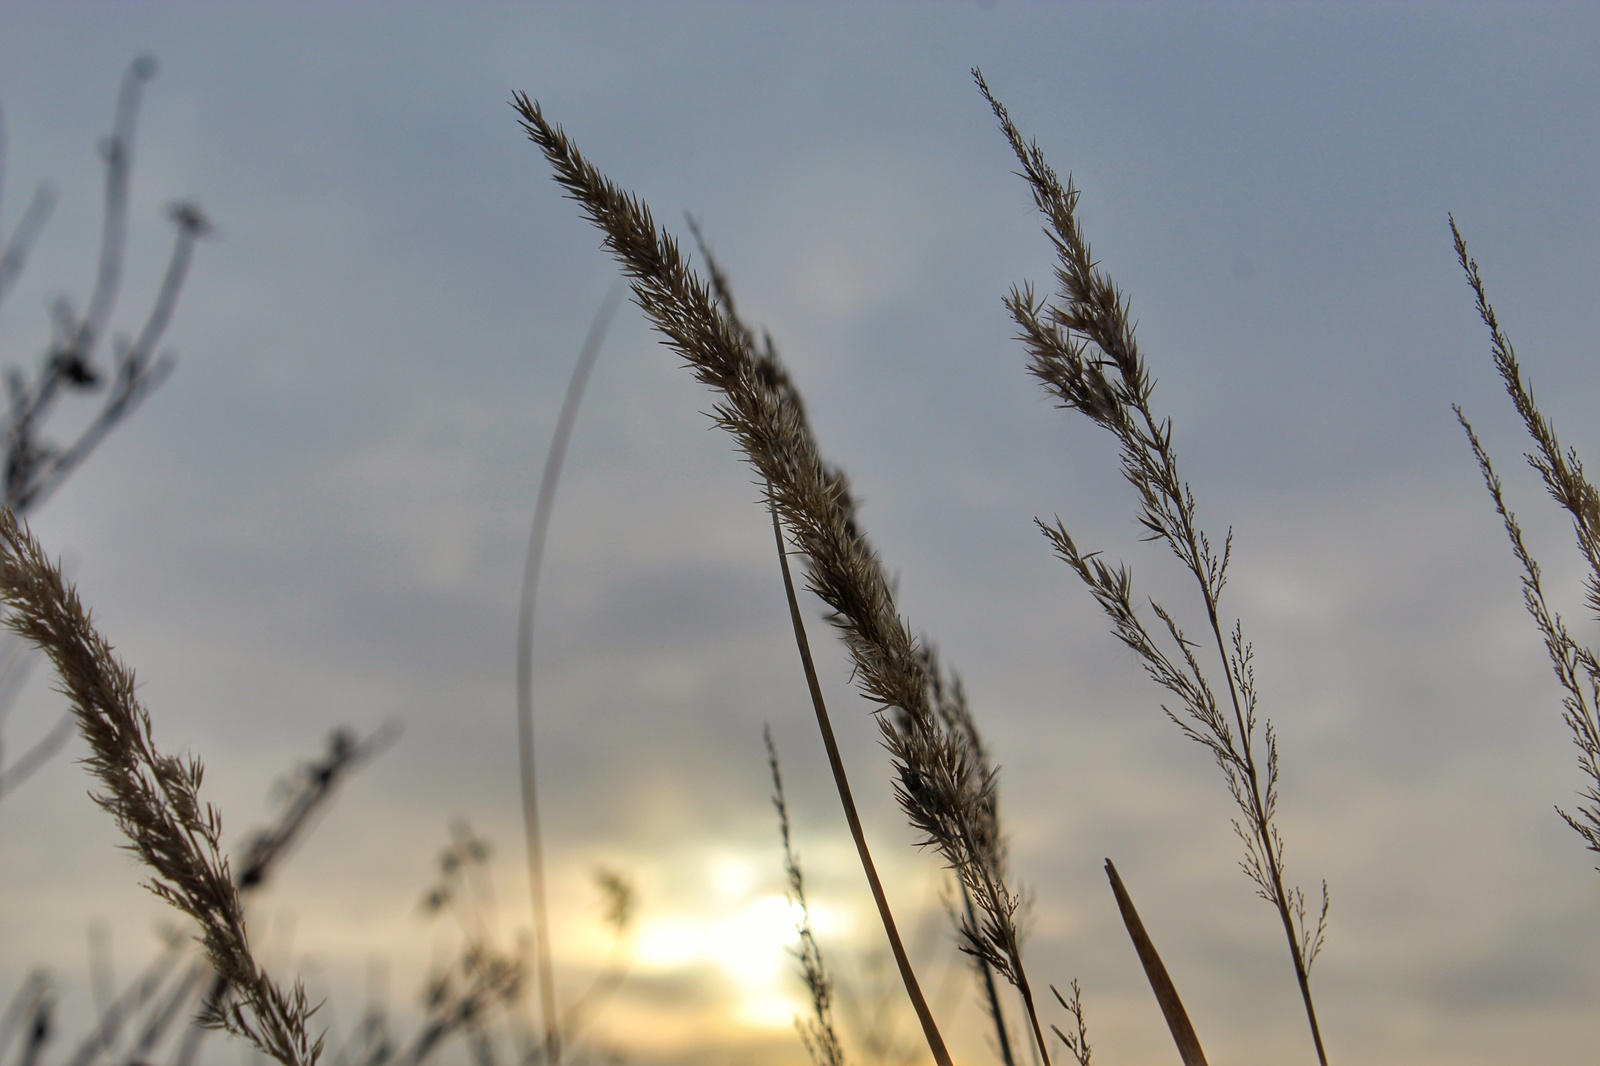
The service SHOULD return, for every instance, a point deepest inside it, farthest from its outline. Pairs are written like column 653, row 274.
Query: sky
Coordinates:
column 320, row 520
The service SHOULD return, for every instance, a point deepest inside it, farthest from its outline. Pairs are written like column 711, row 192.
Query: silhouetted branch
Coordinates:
column 35, row 467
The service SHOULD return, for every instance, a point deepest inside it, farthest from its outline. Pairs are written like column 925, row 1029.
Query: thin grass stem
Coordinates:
column 1085, row 353
column 542, row 509
column 841, row 781
column 991, row 994
column 1576, row 666
column 818, row 1034
column 41, row 751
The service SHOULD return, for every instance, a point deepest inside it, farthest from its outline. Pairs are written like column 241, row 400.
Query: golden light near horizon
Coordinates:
column 747, row 934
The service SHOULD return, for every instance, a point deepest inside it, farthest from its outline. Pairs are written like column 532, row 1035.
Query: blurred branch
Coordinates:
column 463, row 997
column 14, row 251
column 41, row 752
column 24, row 1004
column 116, row 1013
column 308, row 793
column 34, row 467
column 618, row 894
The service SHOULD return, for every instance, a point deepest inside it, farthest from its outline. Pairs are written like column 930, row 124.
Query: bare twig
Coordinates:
column 34, row 467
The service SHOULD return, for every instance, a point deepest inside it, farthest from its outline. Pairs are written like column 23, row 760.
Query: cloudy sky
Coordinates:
column 321, row 519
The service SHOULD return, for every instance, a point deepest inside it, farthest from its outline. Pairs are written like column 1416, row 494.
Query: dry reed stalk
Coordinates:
column 841, row 781
column 817, row 1033
column 1084, row 352
column 1576, row 666
column 947, row 699
column 938, row 785
column 542, row 509
column 154, row 798
column 722, row 295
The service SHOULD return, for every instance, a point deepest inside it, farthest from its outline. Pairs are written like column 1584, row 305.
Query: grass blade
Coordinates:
column 1160, row 983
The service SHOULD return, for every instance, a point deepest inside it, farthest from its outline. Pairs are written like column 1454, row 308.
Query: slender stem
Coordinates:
column 1264, row 835
column 14, row 253
column 1033, row 1014
column 111, row 1019
column 929, row 1028
column 530, row 592
column 118, row 150
column 990, row 993
column 1210, row 586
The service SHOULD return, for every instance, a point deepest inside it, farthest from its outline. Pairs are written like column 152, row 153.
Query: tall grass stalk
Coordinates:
column 841, row 781
column 938, row 785
column 1084, row 352
column 817, row 1033
column 1576, row 666
column 948, row 700
column 542, row 509
column 820, row 1042
column 154, row 798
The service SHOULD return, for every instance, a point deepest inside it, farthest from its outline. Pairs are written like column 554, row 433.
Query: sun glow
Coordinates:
column 749, row 943
column 747, row 938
